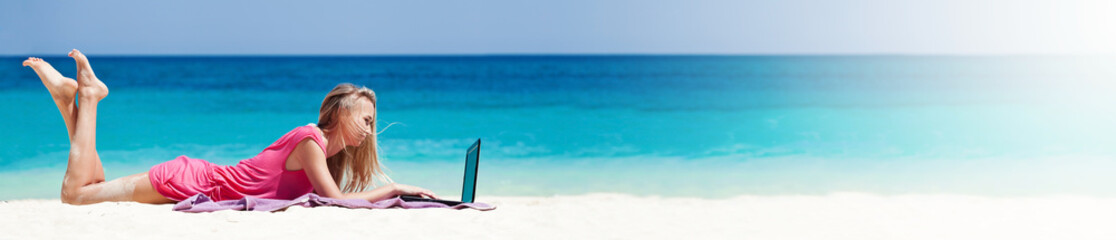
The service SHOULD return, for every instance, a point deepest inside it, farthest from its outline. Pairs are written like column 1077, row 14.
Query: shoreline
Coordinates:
column 598, row 216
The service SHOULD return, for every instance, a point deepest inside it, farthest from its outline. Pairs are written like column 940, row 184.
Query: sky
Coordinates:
column 284, row 27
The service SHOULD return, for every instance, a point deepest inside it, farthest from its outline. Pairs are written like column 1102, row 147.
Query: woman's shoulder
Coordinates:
column 298, row 134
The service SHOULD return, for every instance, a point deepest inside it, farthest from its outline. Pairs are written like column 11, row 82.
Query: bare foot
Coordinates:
column 61, row 88
column 88, row 83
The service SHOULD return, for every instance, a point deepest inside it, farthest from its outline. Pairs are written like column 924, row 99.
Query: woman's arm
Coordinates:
column 377, row 194
column 388, row 191
column 313, row 162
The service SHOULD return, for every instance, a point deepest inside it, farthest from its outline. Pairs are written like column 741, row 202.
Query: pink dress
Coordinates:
column 262, row 176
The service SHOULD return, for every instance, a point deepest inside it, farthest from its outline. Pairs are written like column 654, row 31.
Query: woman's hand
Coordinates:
column 401, row 189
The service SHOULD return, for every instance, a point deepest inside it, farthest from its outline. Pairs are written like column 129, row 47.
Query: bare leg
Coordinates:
column 62, row 89
column 82, row 168
column 135, row 188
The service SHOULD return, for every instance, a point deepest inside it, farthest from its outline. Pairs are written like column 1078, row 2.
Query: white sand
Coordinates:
column 596, row 216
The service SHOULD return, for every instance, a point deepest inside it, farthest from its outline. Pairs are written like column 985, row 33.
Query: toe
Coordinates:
column 31, row 61
column 77, row 55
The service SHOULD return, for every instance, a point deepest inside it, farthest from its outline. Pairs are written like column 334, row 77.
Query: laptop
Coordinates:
column 469, row 185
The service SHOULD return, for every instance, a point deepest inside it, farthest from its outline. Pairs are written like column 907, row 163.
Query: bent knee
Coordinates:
column 71, row 196
column 79, row 194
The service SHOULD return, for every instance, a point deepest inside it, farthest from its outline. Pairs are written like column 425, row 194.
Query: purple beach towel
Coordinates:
column 202, row 203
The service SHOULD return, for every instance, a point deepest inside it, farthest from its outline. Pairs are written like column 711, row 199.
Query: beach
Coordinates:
column 596, row 216
column 608, row 147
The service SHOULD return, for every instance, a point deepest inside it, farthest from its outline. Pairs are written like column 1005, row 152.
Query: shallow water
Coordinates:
column 705, row 126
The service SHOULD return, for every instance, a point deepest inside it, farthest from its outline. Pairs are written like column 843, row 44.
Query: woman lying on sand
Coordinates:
column 311, row 158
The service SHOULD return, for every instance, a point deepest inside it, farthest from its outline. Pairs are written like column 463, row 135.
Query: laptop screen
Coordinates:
column 470, row 184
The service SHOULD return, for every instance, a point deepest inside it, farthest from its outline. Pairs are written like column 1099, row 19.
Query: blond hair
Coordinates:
column 360, row 165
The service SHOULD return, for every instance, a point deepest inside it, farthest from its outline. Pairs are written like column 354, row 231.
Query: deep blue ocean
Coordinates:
column 692, row 126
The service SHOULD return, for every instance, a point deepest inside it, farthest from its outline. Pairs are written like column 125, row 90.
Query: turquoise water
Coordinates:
column 698, row 126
